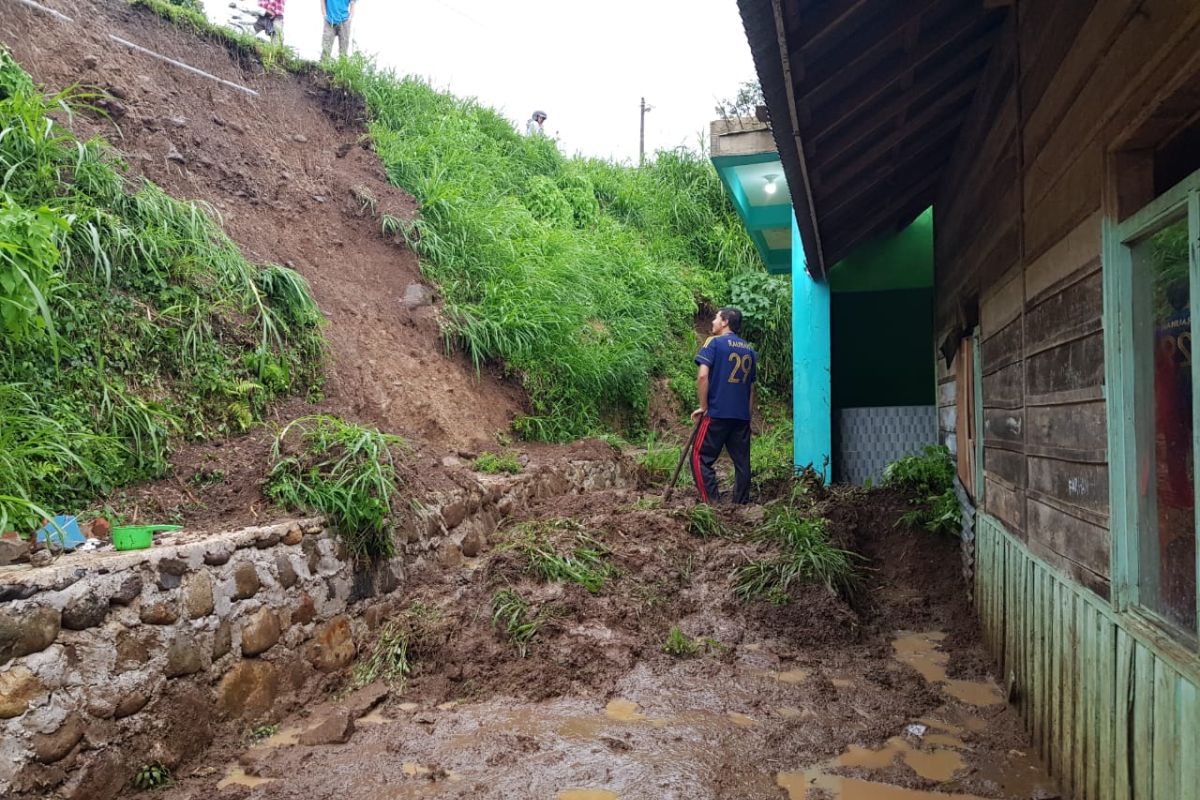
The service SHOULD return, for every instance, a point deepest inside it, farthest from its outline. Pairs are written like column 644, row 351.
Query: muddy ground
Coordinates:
column 811, row 699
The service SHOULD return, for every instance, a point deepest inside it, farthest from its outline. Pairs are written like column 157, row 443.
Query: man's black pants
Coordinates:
column 714, row 434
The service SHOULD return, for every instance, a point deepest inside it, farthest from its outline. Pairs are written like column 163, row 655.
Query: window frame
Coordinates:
column 1125, row 395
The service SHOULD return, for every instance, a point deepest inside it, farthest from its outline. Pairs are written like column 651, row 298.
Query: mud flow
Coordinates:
column 882, row 695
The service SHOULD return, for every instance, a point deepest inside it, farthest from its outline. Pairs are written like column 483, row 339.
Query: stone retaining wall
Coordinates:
column 111, row 660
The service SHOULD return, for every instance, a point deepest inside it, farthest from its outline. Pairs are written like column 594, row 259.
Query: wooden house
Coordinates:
column 1058, row 143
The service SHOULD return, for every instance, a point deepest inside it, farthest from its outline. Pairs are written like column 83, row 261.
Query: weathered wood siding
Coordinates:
column 1112, row 717
column 1018, row 241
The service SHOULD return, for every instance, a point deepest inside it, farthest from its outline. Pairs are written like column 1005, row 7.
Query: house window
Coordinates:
column 1152, row 274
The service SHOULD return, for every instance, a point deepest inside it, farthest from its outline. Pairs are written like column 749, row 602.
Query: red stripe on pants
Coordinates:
column 696, row 474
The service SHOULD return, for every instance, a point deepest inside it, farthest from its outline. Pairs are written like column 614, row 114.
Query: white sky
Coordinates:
column 585, row 64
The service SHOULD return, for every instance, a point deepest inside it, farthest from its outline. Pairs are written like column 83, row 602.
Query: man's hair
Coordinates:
column 732, row 316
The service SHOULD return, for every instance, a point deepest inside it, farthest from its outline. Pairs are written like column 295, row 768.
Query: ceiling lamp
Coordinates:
column 770, row 186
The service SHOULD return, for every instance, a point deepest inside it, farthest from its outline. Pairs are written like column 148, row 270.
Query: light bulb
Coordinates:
column 770, row 186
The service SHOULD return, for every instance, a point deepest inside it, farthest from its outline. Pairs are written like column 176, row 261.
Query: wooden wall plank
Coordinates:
column 1189, row 734
column 1166, row 733
column 1003, row 427
column 1070, row 366
column 1005, row 504
column 1002, row 348
column 1142, row 743
column 1073, row 197
column 1079, row 484
column 1078, row 428
column 1002, row 303
column 1069, row 311
column 1068, row 255
column 1072, row 538
column 1005, row 388
column 1123, row 710
column 1106, row 713
column 1070, row 674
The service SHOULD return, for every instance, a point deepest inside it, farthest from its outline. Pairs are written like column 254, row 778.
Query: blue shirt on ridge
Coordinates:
column 337, row 11
column 732, row 368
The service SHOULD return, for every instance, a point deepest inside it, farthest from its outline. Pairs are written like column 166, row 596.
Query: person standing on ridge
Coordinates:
column 338, row 15
column 534, row 126
column 271, row 20
column 728, row 367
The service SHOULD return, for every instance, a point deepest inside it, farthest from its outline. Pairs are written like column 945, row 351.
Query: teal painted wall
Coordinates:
column 880, row 352
column 812, row 415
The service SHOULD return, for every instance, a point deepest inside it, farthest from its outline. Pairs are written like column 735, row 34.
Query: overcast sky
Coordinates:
column 585, row 64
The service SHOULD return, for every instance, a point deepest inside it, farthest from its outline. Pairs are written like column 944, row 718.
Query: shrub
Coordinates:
column 927, row 474
column 703, row 521
column 659, row 459
column 511, row 611
column 388, row 660
column 346, row 472
column 580, row 559
column 679, row 645
column 152, row 776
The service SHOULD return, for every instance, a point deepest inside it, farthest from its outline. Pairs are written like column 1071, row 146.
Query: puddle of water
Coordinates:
column 412, row 769
column 238, row 777
column 920, row 651
column 975, row 693
column 587, row 794
column 741, row 720
column 285, row 737
column 935, row 765
column 866, row 758
column 945, row 740
column 449, row 704
column 623, row 711
column 797, row 785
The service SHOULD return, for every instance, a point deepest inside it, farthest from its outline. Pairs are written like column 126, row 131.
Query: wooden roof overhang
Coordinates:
column 866, row 99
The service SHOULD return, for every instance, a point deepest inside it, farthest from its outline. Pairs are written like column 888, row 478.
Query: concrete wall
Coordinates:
column 112, row 660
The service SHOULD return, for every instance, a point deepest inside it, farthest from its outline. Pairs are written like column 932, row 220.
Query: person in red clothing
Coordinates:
column 271, row 19
column 728, row 367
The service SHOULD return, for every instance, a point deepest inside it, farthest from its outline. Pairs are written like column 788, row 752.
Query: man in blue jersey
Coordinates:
column 337, row 14
column 725, row 389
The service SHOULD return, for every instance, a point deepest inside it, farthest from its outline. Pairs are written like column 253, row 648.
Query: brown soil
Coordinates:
column 774, row 689
column 294, row 183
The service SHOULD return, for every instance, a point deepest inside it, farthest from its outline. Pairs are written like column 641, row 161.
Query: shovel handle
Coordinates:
column 691, row 442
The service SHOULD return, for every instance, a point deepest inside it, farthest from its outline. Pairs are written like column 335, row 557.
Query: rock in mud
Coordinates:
column 130, row 590
column 198, row 597
column 86, row 611
column 337, row 728
column 29, row 631
column 51, row 747
column 13, row 551
column 416, row 295
column 366, row 698
column 130, row 704
column 183, row 657
column 245, row 581
column 18, row 687
column 333, row 647
column 260, row 633
column 160, row 613
column 249, row 689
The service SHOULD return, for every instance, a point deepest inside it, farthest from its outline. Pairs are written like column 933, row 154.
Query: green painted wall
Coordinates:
column 881, row 348
column 903, row 261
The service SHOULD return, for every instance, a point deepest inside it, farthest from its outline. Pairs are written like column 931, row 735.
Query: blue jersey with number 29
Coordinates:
column 732, row 367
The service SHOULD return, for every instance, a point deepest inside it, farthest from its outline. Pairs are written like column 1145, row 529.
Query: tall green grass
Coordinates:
column 579, row 276
column 128, row 318
column 806, row 556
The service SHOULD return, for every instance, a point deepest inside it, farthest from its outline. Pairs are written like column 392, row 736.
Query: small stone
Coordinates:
column 85, row 611
column 220, row 123
column 130, row 704
column 305, row 610
column 245, row 581
column 178, row 122
column 51, row 747
column 318, row 198
column 218, row 555
column 198, row 597
column 17, row 591
column 41, row 558
column 102, row 529
column 129, row 590
column 249, row 689
column 222, row 640
column 29, row 631
column 363, row 700
column 416, row 295
column 173, row 154
column 173, row 566
column 268, row 540
column 285, row 570
column 132, row 652
column 299, row 137
column 96, row 774
column 293, row 536
column 13, row 551
column 18, row 687
column 334, row 729
column 158, row 613
column 167, row 581
column 260, row 633
column 453, row 514
column 90, row 62
column 333, row 646
column 473, row 543
column 449, row 554
column 183, row 658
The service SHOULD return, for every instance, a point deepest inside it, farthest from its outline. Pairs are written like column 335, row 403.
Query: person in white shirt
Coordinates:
column 534, row 126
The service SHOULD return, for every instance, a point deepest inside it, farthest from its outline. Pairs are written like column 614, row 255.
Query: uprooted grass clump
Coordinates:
column 495, row 463
column 658, row 460
column 806, row 556
column 704, row 521
column 678, row 644
column 401, row 642
column 511, row 612
column 929, row 477
column 344, row 471
column 562, row 550
column 128, row 319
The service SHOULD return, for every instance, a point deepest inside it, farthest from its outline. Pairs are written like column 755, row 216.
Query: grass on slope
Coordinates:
column 127, row 318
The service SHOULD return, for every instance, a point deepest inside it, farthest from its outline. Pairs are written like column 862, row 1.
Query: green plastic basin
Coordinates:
column 138, row 537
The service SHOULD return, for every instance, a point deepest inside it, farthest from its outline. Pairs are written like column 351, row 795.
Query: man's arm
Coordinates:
column 701, row 392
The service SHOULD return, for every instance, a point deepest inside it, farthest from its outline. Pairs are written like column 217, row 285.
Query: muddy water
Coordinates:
column 921, row 651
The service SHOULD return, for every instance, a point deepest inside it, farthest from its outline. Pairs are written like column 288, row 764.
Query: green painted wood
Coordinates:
column 1166, row 731
column 1142, row 745
column 1123, row 710
column 1106, row 712
column 1194, row 274
column 1189, row 737
column 1070, row 676
column 1056, row 680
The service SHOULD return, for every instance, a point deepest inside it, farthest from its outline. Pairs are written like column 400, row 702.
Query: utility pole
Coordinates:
column 642, row 134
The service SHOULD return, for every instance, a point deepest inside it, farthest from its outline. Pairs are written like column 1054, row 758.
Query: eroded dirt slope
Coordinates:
column 294, row 183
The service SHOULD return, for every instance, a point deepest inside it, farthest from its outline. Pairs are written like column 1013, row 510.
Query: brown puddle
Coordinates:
column 934, row 765
column 920, row 651
column 797, row 785
column 623, row 711
column 238, row 777
column 587, row 794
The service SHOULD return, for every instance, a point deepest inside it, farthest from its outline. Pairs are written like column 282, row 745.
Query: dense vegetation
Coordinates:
column 929, row 477
column 127, row 317
column 581, row 276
